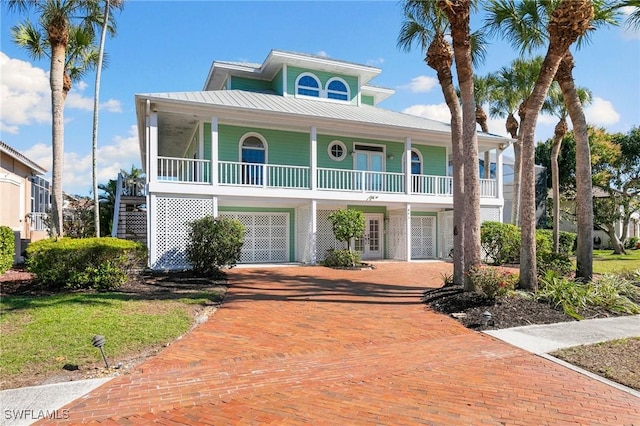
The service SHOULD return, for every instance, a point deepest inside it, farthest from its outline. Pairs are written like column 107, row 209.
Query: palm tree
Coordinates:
column 106, row 25
column 512, row 88
column 633, row 21
column 426, row 25
column 53, row 37
column 459, row 13
column 555, row 105
column 524, row 24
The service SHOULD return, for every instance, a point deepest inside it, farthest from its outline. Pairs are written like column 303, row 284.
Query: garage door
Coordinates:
column 266, row 239
column 423, row 237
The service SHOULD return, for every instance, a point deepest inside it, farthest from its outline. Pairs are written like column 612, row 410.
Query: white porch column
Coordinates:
column 408, row 232
column 214, row 151
column 152, row 138
column 152, row 255
column 313, row 156
column 313, row 248
column 500, row 180
column 407, row 166
column 214, row 207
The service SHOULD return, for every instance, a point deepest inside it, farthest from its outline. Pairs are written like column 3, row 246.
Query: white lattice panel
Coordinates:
column 446, row 233
column 423, row 232
column 266, row 238
column 172, row 216
column 325, row 239
column 303, row 234
column 396, row 237
column 490, row 214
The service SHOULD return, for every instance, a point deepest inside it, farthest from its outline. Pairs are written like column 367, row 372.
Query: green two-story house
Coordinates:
column 282, row 144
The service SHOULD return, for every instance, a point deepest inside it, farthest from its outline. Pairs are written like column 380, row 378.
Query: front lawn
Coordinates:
column 47, row 334
column 605, row 262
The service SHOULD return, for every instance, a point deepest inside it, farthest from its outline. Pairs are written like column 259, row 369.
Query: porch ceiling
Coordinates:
column 175, row 131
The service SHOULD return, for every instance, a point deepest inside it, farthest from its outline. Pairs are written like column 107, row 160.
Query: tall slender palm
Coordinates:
column 555, row 105
column 458, row 13
column 52, row 38
column 560, row 24
column 512, row 88
column 106, row 26
column 483, row 92
column 426, row 25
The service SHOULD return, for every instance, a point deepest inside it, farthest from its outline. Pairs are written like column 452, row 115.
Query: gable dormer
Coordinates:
column 300, row 75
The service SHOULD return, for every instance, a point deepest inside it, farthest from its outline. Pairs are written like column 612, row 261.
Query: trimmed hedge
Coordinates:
column 214, row 243
column 7, row 247
column 87, row 263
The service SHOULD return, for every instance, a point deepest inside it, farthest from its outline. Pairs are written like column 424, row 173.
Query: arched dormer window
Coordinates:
column 337, row 89
column 308, row 85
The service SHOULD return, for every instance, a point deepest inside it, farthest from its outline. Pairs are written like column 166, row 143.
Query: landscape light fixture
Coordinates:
column 98, row 342
column 486, row 317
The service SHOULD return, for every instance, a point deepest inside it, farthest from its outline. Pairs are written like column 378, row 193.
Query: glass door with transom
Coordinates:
column 371, row 244
column 369, row 159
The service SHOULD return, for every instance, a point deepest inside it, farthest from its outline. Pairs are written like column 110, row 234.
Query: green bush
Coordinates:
column 544, row 241
column 566, row 242
column 612, row 293
column 7, row 247
column 89, row 263
column 558, row 262
column 214, row 243
column 500, row 242
column 632, row 243
column 342, row 258
column 493, row 282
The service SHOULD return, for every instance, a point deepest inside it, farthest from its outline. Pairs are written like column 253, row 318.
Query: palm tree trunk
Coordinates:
column 56, row 78
column 458, row 14
column 96, row 103
column 584, row 190
column 560, row 131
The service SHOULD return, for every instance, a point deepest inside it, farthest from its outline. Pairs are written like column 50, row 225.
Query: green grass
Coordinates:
column 44, row 333
column 604, row 262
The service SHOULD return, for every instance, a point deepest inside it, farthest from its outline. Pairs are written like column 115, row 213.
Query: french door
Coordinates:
column 369, row 161
column 371, row 244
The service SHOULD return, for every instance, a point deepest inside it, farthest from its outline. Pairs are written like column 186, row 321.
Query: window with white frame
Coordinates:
column 337, row 89
column 308, row 85
column 337, row 150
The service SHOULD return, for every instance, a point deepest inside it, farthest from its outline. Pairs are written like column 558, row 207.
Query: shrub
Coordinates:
column 214, row 243
column 558, row 262
column 89, row 263
column 500, row 242
column 567, row 240
column 342, row 258
column 7, row 247
column 544, row 241
column 611, row 293
column 493, row 282
column 347, row 224
column 632, row 243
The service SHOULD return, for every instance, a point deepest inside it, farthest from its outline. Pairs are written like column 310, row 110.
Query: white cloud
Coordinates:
column 421, row 84
column 77, row 173
column 601, row 112
column 77, row 101
column 24, row 94
column 439, row 112
column 112, row 105
column 375, row 62
column 322, row 53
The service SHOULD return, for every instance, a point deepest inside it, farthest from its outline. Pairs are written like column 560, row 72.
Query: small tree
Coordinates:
column 214, row 243
column 347, row 225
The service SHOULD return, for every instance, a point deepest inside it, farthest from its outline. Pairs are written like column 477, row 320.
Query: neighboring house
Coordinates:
column 24, row 197
column 282, row 144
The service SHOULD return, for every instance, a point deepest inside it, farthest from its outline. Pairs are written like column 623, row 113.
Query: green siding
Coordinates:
column 367, row 100
column 369, row 209
column 323, row 76
column 434, row 160
column 292, row 221
column 291, row 148
column 325, row 161
column 207, row 141
column 250, row 84
column 277, row 85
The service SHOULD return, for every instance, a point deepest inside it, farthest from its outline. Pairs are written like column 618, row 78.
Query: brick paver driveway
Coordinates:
column 321, row 346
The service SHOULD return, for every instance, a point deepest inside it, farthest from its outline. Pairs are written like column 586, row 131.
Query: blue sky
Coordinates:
column 165, row 46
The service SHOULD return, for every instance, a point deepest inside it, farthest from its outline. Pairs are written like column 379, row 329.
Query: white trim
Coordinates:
column 327, row 90
column 313, row 145
column 285, row 89
column 404, row 160
column 153, row 146
column 408, row 232
column 407, row 173
column 344, row 150
column 313, row 241
column 214, row 150
column 152, row 218
column 297, row 86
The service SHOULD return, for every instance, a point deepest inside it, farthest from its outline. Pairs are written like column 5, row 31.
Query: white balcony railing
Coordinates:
column 39, row 221
column 233, row 173
column 185, row 170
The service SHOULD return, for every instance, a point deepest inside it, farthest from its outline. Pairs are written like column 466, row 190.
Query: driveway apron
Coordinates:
column 313, row 345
